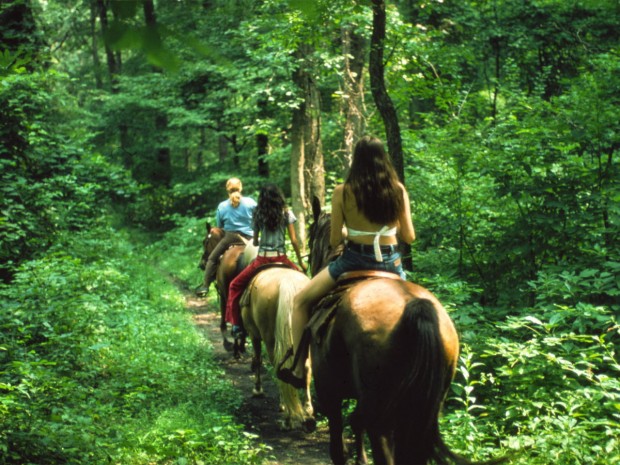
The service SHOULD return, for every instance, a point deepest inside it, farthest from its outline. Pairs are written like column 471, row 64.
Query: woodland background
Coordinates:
column 121, row 120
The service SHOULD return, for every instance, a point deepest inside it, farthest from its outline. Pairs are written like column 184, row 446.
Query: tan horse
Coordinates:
column 390, row 345
column 266, row 312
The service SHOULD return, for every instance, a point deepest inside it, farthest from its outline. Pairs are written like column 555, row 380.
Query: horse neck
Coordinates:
column 215, row 235
column 320, row 249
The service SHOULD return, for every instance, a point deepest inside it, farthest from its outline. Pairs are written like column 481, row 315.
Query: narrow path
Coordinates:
column 259, row 414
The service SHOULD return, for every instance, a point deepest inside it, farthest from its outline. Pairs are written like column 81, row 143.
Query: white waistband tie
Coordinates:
column 375, row 243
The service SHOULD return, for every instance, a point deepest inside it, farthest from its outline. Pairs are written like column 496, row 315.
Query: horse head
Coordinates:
column 321, row 252
column 214, row 235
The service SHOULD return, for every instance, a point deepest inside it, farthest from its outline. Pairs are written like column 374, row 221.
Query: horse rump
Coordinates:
column 418, row 352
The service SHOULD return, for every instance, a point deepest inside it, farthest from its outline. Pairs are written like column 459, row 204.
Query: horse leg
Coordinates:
column 309, row 422
column 358, row 433
column 308, row 407
column 382, row 448
column 256, row 366
column 238, row 346
column 337, row 450
column 228, row 345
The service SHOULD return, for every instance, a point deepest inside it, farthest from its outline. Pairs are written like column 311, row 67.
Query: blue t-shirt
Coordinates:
column 238, row 219
column 275, row 240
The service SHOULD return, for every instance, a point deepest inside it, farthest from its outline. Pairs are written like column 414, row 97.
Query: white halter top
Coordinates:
column 383, row 232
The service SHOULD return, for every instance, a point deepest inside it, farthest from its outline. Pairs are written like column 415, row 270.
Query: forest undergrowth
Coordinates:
column 100, row 363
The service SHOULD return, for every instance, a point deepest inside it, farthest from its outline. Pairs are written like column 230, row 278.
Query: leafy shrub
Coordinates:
column 544, row 381
column 50, row 182
column 99, row 363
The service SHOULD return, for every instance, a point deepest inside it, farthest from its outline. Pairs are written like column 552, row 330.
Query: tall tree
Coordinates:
column 353, row 50
column 376, row 68
column 307, row 172
column 162, row 173
column 384, row 103
column 94, row 44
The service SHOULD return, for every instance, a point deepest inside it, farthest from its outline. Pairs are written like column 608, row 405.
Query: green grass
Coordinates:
column 100, row 363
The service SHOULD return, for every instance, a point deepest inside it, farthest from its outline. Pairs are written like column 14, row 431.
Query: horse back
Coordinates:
column 260, row 301
column 360, row 348
column 227, row 268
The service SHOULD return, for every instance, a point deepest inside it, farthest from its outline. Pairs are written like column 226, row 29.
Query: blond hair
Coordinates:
column 235, row 198
column 234, row 185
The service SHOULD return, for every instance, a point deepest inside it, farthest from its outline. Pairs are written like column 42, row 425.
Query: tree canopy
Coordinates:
column 503, row 118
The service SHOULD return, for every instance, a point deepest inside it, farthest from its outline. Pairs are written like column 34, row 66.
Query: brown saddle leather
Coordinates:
column 364, row 274
column 325, row 309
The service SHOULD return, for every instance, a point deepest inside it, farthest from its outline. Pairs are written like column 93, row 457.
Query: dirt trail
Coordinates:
column 260, row 414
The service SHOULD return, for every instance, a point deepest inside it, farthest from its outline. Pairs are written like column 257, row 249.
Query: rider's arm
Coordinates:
column 218, row 218
column 406, row 231
column 295, row 244
column 336, row 237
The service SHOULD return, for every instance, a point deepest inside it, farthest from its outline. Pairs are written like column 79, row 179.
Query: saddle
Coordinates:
column 321, row 315
column 325, row 310
column 245, row 297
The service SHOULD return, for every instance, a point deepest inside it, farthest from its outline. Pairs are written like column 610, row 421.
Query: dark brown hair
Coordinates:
column 270, row 210
column 374, row 183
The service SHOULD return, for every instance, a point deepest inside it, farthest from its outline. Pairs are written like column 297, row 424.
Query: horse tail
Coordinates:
column 289, row 287
column 420, row 357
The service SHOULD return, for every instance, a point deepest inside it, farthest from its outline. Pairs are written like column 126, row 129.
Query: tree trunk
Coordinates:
column 353, row 98
column 113, row 64
column 262, row 144
column 298, row 187
column 379, row 92
column 162, row 173
column 222, row 148
column 314, row 166
column 114, row 69
column 307, row 168
column 384, row 103
column 94, row 45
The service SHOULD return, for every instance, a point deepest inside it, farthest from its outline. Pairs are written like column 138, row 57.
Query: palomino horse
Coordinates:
column 230, row 265
column 390, row 345
column 266, row 309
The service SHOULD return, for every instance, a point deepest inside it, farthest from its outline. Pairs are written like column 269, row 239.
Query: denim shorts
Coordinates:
column 352, row 260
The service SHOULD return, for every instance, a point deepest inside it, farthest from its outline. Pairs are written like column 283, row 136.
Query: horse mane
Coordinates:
column 321, row 251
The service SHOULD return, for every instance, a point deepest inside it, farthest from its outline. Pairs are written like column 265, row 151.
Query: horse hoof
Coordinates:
column 228, row 346
column 259, row 393
column 309, row 425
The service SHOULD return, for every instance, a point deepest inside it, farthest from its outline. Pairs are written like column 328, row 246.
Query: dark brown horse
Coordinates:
column 229, row 266
column 390, row 345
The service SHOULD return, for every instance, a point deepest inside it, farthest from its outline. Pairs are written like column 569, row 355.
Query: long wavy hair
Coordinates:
column 373, row 182
column 270, row 211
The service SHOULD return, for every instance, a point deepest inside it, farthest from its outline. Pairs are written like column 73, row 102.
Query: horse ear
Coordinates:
column 208, row 226
column 316, row 208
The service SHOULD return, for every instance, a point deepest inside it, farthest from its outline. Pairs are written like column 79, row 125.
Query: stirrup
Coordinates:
column 287, row 355
column 286, row 374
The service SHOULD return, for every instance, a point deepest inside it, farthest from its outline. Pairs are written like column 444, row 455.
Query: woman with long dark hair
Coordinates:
column 371, row 210
column 272, row 220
